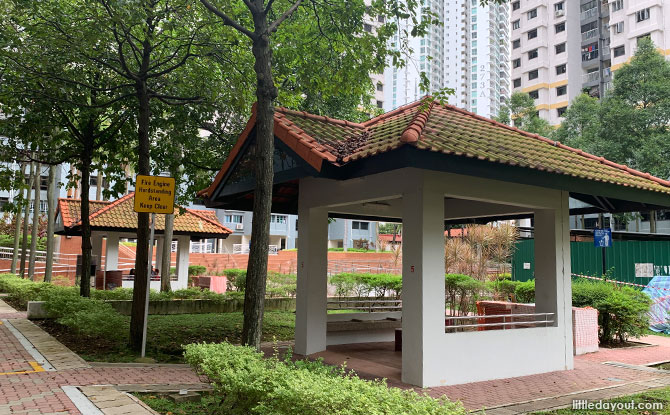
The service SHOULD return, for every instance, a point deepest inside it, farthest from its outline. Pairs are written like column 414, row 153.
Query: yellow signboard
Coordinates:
column 154, row 194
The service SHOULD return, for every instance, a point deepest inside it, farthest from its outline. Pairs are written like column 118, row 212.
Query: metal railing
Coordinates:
column 370, row 306
column 244, row 249
column 509, row 321
column 588, row 13
column 590, row 34
column 591, row 77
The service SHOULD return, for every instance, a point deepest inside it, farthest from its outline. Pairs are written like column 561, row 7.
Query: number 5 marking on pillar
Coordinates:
column 411, row 268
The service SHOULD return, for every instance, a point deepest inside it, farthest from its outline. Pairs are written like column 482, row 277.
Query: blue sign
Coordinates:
column 602, row 238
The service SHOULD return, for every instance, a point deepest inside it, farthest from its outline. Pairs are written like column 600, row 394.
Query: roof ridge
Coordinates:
column 323, row 118
column 108, row 207
column 193, row 212
column 393, row 112
column 580, row 152
column 415, row 128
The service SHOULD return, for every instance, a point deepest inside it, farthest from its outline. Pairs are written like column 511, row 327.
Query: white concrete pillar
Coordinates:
column 112, row 252
column 96, row 244
column 553, row 286
column 422, row 284
column 159, row 251
column 312, row 291
column 183, row 248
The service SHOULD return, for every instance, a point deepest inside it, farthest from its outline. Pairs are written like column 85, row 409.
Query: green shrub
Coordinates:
column 503, row 287
column 8, row 242
column 462, row 292
column 236, row 279
column 249, row 384
column 194, row 270
column 525, row 292
column 281, row 285
column 363, row 284
column 84, row 315
column 623, row 312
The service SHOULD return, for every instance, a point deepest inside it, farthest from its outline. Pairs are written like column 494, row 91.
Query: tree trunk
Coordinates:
column 142, row 252
column 86, row 248
column 36, row 223
column 98, row 187
column 17, row 221
column 167, row 252
column 51, row 210
column 652, row 221
column 254, row 295
column 26, row 222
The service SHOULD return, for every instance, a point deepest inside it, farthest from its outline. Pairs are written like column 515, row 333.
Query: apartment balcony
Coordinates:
column 591, row 34
column 591, row 78
column 588, row 14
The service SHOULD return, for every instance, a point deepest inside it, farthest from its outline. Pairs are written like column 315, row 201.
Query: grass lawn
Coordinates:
column 166, row 335
column 659, row 396
column 164, row 405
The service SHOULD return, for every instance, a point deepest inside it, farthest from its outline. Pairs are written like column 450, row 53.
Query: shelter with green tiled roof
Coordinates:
column 112, row 220
column 428, row 164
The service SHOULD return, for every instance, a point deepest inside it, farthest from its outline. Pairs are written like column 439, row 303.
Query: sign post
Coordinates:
column 153, row 194
column 602, row 238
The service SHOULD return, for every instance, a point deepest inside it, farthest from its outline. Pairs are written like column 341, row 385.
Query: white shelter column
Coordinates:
column 553, row 286
column 159, row 251
column 422, row 283
column 112, row 252
column 312, row 291
column 183, row 248
column 96, row 244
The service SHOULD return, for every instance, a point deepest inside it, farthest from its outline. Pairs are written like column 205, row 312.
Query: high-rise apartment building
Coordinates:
column 469, row 52
column 561, row 48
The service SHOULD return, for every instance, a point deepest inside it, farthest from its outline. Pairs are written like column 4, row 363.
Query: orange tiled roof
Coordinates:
column 439, row 128
column 120, row 214
column 70, row 209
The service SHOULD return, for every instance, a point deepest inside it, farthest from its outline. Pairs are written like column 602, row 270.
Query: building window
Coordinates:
column 367, row 27
column 516, row 63
column 532, row 34
column 381, row 19
column 44, row 182
column 617, row 5
column 559, row 6
column 232, row 218
column 561, row 90
column 380, row 86
column 516, row 24
column 534, row 74
column 641, row 38
column 618, row 27
column 619, row 51
column 560, row 48
column 94, row 180
column 559, row 27
column 517, row 83
column 534, row 94
column 278, row 219
column 561, row 69
column 561, row 111
column 380, row 104
column 532, row 14
column 516, row 44
column 532, row 54
column 3, row 202
column 516, row 5
column 364, row 226
column 642, row 15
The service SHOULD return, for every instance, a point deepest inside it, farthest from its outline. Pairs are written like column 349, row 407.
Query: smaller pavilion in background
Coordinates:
column 112, row 221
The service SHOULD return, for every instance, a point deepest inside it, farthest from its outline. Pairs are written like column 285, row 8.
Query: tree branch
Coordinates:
column 227, row 20
column 274, row 25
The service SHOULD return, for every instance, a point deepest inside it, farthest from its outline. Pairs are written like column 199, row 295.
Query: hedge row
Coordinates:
column 23, row 290
column 248, row 383
column 278, row 285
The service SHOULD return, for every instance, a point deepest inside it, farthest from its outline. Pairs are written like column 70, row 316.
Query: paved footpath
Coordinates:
column 38, row 375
